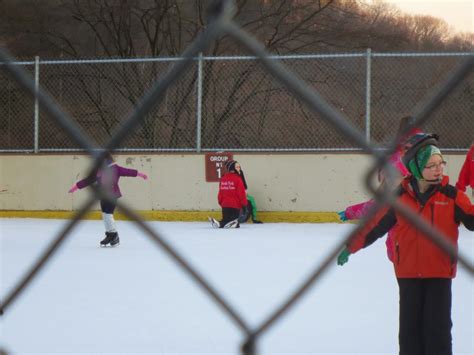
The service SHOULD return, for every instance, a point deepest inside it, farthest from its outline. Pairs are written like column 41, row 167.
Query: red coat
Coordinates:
column 232, row 192
column 415, row 255
column 466, row 175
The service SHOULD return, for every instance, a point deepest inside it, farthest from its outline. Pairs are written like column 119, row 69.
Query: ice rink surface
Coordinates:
column 134, row 299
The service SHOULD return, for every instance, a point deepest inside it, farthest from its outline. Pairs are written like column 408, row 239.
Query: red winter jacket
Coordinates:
column 416, row 256
column 466, row 175
column 232, row 192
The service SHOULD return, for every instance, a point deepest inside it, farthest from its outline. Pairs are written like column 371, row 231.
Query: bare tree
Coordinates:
column 234, row 97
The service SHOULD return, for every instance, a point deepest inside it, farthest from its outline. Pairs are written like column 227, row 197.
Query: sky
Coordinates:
column 457, row 13
column 134, row 299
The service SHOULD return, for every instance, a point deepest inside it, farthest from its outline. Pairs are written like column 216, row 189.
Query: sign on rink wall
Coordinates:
column 215, row 162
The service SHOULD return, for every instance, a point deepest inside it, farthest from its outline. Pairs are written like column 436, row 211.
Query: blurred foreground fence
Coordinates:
column 233, row 103
column 171, row 90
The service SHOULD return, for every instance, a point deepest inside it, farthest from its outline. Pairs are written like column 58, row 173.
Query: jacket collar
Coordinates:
column 409, row 189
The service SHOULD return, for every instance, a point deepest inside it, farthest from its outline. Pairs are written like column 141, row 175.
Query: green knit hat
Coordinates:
column 418, row 163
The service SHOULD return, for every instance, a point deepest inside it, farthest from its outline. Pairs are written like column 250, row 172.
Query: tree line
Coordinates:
column 142, row 28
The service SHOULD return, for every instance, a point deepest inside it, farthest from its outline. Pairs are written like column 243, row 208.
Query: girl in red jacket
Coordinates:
column 231, row 197
column 424, row 271
column 466, row 175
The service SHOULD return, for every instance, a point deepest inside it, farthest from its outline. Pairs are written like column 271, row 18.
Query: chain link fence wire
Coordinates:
column 232, row 103
column 244, row 107
column 99, row 94
column 222, row 14
column 399, row 83
column 17, row 114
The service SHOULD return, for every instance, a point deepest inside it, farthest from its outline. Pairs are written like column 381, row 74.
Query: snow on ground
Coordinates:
column 134, row 299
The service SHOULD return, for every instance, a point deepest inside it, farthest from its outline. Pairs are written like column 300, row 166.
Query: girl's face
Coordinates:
column 434, row 168
column 237, row 167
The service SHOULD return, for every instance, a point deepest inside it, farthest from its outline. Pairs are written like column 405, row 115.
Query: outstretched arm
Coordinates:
column 359, row 210
column 83, row 183
column 130, row 172
column 382, row 222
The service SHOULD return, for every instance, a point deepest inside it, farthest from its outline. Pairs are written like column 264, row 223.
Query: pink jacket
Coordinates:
column 117, row 172
column 359, row 210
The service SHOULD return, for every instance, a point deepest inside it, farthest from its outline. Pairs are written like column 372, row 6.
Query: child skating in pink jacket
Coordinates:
column 107, row 207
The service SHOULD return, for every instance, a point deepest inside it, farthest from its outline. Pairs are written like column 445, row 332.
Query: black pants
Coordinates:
column 229, row 214
column 425, row 317
column 108, row 206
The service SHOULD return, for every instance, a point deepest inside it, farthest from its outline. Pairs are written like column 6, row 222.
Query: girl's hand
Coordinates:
column 73, row 189
column 143, row 176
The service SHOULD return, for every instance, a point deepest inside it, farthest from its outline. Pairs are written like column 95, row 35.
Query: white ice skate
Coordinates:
column 232, row 224
column 214, row 223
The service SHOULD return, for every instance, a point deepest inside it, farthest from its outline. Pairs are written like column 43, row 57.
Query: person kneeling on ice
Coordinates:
column 424, row 271
column 113, row 172
column 231, row 198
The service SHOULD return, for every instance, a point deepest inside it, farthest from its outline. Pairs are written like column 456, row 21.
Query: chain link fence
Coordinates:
column 232, row 103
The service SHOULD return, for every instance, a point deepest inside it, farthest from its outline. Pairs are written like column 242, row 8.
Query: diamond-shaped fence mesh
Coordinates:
column 244, row 107
column 399, row 83
column 233, row 103
column 316, row 92
column 17, row 114
column 98, row 95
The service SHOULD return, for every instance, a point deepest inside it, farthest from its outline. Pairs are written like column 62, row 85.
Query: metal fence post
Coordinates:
column 199, row 104
column 367, row 94
column 36, row 109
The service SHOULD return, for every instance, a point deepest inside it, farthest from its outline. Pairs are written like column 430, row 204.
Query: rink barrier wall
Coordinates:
column 184, row 216
column 304, row 187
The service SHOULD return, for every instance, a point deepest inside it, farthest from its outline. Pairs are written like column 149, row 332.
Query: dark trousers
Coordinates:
column 108, row 206
column 229, row 214
column 425, row 317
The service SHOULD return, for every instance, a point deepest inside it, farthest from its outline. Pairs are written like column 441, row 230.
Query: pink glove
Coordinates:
column 73, row 189
column 143, row 176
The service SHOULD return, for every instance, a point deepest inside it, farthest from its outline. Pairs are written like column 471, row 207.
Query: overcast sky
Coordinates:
column 457, row 13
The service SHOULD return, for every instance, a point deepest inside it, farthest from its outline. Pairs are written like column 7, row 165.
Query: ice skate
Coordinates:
column 232, row 224
column 111, row 238
column 106, row 240
column 214, row 223
column 115, row 240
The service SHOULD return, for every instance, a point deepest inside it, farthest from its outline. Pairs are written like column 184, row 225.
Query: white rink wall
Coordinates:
column 279, row 182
